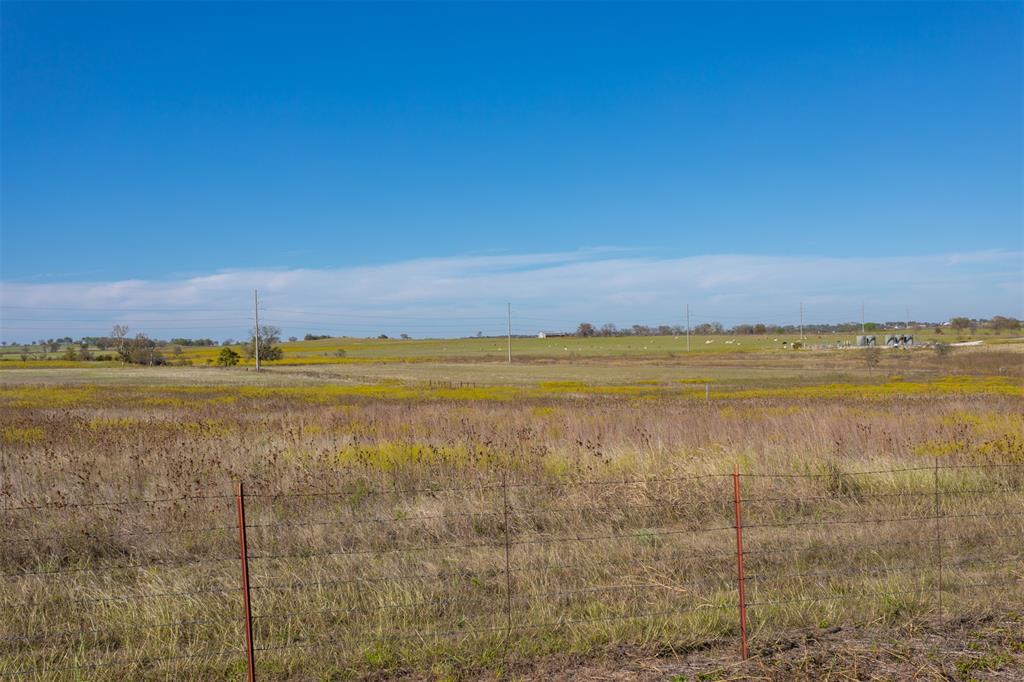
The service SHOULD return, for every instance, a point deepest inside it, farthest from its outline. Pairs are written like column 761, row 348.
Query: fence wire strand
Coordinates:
column 530, row 571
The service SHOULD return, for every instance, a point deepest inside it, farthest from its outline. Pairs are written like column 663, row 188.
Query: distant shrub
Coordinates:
column 228, row 357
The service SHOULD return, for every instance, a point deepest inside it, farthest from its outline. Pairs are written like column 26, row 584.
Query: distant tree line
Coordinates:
column 192, row 342
column 140, row 349
column 704, row 328
column 998, row 324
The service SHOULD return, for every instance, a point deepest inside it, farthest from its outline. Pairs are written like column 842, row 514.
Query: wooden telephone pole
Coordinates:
column 256, row 338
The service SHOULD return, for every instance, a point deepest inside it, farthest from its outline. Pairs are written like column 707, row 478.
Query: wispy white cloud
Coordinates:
column 462, row 295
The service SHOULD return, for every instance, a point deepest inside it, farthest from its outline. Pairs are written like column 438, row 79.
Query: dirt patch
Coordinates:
column 979, row 649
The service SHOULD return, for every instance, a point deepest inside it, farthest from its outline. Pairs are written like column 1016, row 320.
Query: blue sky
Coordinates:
column 164, row 144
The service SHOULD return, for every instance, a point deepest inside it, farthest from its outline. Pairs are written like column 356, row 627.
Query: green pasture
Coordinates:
column 347, row 350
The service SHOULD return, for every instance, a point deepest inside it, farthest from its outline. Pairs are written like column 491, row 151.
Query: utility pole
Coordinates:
column 908, row 317
column 801, row 320
column 510, row 333
column 687, row 327
column 256, row 338
column 862, row 328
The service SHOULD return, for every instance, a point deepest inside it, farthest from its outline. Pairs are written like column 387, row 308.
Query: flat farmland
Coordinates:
column 350, row 350
column 464, row 518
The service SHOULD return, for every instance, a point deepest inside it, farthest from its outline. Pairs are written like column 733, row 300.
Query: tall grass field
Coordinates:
column 454, row 519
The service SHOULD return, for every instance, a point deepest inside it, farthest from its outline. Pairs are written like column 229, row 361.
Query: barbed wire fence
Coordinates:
column 384, row 576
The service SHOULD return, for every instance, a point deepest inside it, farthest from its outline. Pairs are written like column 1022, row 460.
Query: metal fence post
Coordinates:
column 508, row 561
column 938, row 533
column 250, row 653
column 739, row 560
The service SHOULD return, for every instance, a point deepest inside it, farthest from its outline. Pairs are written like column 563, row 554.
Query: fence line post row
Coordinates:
column 740, row 577
column 247, row 592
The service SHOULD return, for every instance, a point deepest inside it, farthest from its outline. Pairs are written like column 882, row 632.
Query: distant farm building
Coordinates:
column 551, row 335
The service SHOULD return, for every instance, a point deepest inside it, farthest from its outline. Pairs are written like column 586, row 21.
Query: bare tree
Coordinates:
column 1002, row 323
column 269, row 337
column 119, row 332
column 872, row 356
column 141, row 350
column 960, row 323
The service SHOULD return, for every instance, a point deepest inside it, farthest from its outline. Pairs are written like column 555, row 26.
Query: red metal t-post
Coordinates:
column 739, row 560
column 250, row 654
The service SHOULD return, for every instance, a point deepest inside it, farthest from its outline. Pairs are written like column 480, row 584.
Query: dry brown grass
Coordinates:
column 975, row 649
column 380, row 527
